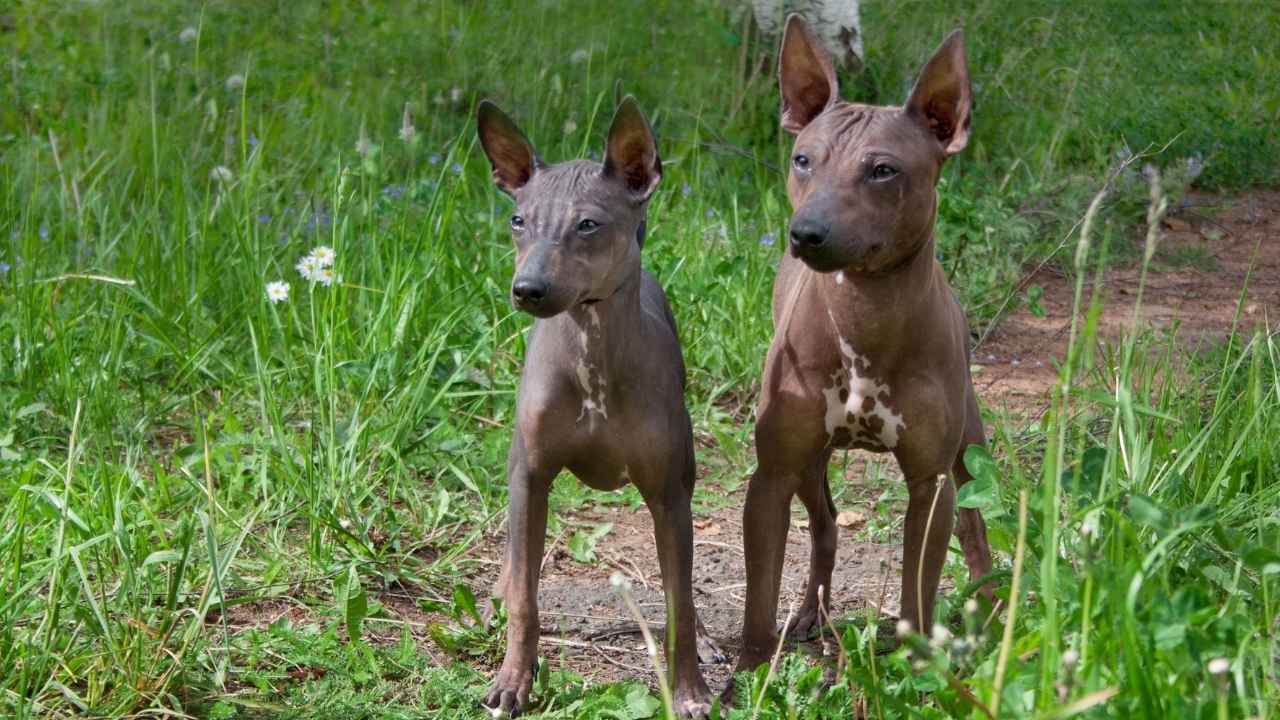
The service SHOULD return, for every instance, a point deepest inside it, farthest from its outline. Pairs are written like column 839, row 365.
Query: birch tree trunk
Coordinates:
column 835, row 22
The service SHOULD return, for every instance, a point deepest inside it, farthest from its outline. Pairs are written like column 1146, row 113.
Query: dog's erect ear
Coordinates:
column 631, row 153
column 805, row 75
column 509, row 151
column 942, row 99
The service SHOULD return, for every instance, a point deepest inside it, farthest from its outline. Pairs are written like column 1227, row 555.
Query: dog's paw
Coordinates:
column 508, row 696
column 709, row 650
column 693, row 702
column 805, row 624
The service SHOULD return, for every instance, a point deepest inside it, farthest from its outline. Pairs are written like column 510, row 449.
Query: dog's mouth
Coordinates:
column 818, row 259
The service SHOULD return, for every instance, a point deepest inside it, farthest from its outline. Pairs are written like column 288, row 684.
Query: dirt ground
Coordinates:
column 1207, row 247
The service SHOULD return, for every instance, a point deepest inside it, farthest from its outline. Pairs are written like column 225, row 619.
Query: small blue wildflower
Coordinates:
column 44, row 233
column 264, row 218
column 434, row 158
column 393, row 191
column 710, row 213
column 253, row 140
column 4, row 268
column 319, row 220
column 284, row 238
column 685, row 189
column 768, row 239
column 456, row 168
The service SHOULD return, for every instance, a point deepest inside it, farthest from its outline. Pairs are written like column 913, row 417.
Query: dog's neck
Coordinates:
column 883, row 309
column 600, row 342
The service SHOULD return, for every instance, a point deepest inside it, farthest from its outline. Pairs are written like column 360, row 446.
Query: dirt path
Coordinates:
column 584, row 624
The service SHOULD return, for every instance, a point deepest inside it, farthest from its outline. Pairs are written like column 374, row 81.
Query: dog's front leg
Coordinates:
column 815, row 493
column 526, row 538
column 930, row 519
column 673, row 531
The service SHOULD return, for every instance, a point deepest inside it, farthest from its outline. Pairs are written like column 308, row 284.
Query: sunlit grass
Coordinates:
column 178, row 442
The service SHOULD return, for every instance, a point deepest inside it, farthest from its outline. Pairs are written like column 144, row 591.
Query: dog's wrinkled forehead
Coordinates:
column 569, row 184
column 846, row 128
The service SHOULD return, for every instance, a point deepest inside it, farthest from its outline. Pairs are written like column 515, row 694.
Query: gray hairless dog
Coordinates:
column 602, row 392
column 870, row 346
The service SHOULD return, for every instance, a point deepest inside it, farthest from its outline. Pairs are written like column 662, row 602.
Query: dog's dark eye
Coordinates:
column 588, row 226
column 517, row 222
column 883, row 172
column 801, row 162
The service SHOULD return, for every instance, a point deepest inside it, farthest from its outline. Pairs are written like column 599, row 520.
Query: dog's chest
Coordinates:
column 859, row 408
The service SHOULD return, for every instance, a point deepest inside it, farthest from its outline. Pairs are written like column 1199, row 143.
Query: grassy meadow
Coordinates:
column 176, row 447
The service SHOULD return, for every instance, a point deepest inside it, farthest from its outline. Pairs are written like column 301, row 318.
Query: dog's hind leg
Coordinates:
column 971, row 528
column 815, row 493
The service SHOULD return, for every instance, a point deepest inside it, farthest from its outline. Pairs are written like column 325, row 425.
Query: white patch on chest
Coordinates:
column 589, row 376
column 857, row 403
column 840, row 277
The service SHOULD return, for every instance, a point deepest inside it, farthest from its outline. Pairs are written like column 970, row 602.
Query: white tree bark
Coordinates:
column 835, row 22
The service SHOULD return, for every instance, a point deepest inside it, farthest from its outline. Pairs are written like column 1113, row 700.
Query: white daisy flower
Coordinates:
column 221, row 174
column 308, row 268
column 277, row 291
column 187, row 35
column 324, row 255
column 324, row 276
column 235, row 82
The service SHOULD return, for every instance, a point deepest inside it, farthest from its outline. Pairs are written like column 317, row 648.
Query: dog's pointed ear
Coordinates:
column 805, row 75
column 942, row 99
column 508, row 150
column 617, row 92
column 631, row 153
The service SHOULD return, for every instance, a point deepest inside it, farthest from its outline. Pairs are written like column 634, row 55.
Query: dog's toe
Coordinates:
column 803, row 626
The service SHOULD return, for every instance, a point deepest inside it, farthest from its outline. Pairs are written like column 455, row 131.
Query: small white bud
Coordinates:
column 939, row 636
column 1069, row 659
column 235, row 82
column 187, row 35
column 903, row 628
column 407, row 130
column 221, row 174
column 1219, row 666
column 971, row 607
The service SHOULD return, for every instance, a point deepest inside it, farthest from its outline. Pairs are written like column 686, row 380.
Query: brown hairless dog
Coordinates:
column 870, row 344
column 602, row 392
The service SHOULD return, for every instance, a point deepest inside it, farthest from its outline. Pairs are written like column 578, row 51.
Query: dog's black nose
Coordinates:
column 529, row 292
column 807, row 233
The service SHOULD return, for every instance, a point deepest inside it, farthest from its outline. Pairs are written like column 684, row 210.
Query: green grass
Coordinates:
column 173, row 446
